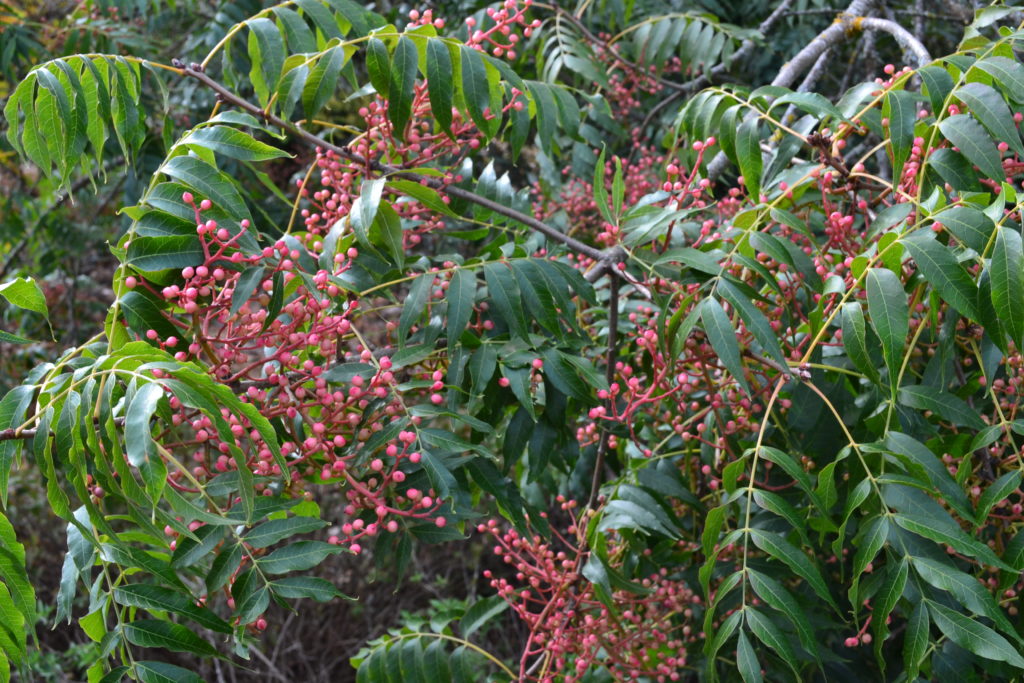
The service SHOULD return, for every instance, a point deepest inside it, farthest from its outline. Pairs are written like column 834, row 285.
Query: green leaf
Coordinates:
column 915, row 640
column 776, row 595
column 152, row 254
column 137, row 434
column 504, row 293
column 403, row 78
column 461, row 296
column 252, row 597
column 369, row 204
column 855, row 340
column 600, row 191
column 166, row 635
column 8, row 338
column 954, row 169
column 245, row 287
column 890, row 316
column 722, row 634
column 966, row 589
column 969, row 225
column 427, row 196
column 888, row 595
column 940, row 532
column 997, row 491
column 387, row 233
column 322, row 81
column 297, row 557
column 769, row 634
column 415, row 303
column 713, row 522
column 748, row 152
column 1009, row 73
column 781, row 549
column 233, row 143
column 626, row 514
column 900, row 107
column 927, row 467
column 321, row 16
column 166, row 600
column 266, row 53
column 276, row 530
column 988, row 107
column 974, row 636
column 475, row 87
column 25, row 293
column 722, row 336
column 940, row 268
column 190, row 551
column 162, row 672
column 14, row 574
column 546, row 113
column 938, row 83
column 975, row 144
column 871, row 539
column 755, row 320
column 1007, row 275
column 774, row 503
column 945, row 405
column 210, row 182
column 746, row 660
column 440, row 84
column 312, row 587
column 378, row 66
column 223, row 567
column 300, row 38
column 480, row 613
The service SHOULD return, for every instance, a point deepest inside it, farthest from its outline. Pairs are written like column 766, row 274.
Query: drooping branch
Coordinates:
column 229, row 97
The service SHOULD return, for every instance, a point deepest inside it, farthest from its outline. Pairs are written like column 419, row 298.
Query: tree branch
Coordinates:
column 850, row 20
column 231, row 98
column 905, row 38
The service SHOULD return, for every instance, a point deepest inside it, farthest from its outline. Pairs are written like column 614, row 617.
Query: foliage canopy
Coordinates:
column 497, row 280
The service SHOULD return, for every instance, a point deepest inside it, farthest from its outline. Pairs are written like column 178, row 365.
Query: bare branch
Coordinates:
column 905, row 38
column 846, row 22
column 851, row 20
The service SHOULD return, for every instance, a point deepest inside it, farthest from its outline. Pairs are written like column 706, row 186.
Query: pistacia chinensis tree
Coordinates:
column 728, row 376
